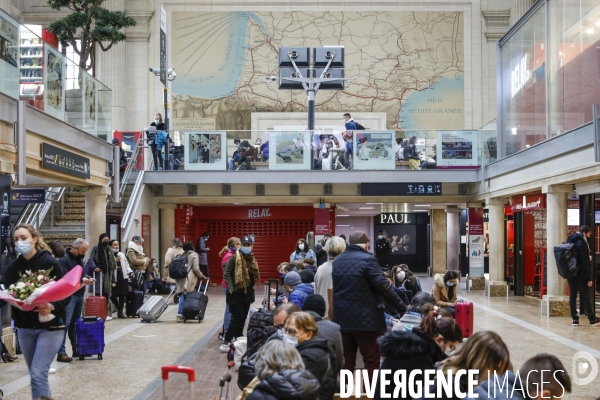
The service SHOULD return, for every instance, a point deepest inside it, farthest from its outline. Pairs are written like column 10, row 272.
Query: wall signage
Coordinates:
column 396, row 218
column 401, row 189
column 476, row 248
column 486, row 215
column 519, row 76
column 24, row 196
column 64, row 161
column 259, row 213
column 529, row 202
column 163, row 45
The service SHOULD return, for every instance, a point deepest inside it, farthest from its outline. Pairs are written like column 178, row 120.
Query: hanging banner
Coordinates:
column 476, row 248
column 321, row 221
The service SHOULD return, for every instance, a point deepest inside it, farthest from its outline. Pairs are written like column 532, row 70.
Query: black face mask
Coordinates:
column 105, row 244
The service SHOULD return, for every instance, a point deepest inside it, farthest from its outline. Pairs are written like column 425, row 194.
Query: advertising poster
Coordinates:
column 289, row 151
column 374, row 150
column 476, row 247
column 329, row 147
column 54, row 89
column 456, row 149
column 90, row 102
column 401, row 231
column 322, row 221
column 9, row 56
column 204, row 151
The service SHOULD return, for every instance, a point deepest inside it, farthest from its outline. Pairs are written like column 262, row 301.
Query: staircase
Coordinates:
column 69, row 219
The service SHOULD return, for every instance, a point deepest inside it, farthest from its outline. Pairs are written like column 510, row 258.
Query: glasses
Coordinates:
column 289, row 331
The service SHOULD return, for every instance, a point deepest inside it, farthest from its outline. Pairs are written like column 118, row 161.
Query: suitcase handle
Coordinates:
column 267, row 304
column 177, row 369
column 94, row 285
column 205, row 286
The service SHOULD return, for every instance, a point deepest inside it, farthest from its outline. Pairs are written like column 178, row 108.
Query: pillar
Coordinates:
column 111, row 71
column 95, row 214
column 452, row 239
column 496, row 285
column 167, row 229
column 438, row 241
column 556, row 302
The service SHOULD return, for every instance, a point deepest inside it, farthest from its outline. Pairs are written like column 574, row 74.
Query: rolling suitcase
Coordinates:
column 195, row 304
column 89, row 335
column 191, row 374
column 463, row 314
column 260, row 322
column 154, row 307
column 133, row 302
column 95, row 306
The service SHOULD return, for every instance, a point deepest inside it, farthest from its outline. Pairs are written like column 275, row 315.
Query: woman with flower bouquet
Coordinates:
column 40, row 331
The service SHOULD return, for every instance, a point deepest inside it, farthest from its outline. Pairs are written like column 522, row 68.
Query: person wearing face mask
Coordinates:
column 136, row 258
column 39, row 341
column 302, row 251
column 240, row 274
column 156, row 153
column 446, row 332
column 102, row 261
column 318, row 355
column 404, row 278
column 233, row 244
column 120, row 286
column 383, row 250
column 192, row 280
column 298, row 290
column 73, row 257
column 444, row 290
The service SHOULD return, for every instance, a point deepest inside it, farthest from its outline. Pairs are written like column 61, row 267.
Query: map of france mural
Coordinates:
column 409, row 65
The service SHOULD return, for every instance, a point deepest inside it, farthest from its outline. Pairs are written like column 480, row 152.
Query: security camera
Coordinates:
column 172, row 74
column 483, row 204
column 329, row 54
column 155, row 71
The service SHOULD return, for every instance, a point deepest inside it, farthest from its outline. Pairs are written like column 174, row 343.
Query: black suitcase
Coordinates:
column 135, row 300
column 260, row 324
column 195, row 304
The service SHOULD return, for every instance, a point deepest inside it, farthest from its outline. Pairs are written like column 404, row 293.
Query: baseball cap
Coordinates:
column 358, row 237
column 116, row 141
column 246, row 239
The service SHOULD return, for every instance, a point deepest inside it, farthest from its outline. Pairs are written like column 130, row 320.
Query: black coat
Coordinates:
column 582, row 252
column 42, row 260
column 319, row 358
column 68, row 262
column 287, row 385
column 407, row 351
column 321, row 254
column 383, row 251
column 359, row 288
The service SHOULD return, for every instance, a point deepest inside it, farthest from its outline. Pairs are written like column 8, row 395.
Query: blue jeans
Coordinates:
column 39, row 347
column 73, row 313
column 227, row 316
column 181, row 302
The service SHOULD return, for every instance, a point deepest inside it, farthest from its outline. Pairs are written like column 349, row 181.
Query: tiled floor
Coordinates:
column 136, row 351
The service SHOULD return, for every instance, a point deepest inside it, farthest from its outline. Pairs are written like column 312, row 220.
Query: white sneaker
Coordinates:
column 52, row 371
column 224, row 348
column 179, row 318
column 108, row 318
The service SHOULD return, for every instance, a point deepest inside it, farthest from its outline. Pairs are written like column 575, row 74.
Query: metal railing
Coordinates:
column 34, row 214
column 132, row 205
column 132, row 164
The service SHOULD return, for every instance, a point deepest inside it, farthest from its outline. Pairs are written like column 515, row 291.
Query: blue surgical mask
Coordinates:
column 450, row 283
column 290, row 339
column 281, row 276
column 380, row 236
column 246, row 250
column 23, row 247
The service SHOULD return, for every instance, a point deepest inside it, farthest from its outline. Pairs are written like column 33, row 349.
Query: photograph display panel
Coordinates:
column 373, row 150
column 457, row 149
column 90, row 102
column 204, row 151
column 54, row 88
column 9, row 55
column 289, row 151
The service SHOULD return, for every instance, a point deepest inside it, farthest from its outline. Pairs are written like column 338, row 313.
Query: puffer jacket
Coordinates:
column 300, row 293
column 407, row 351
column 359, row 288
column 439, row 291
column 582, row 251
column 320, row 359
column 287, row 385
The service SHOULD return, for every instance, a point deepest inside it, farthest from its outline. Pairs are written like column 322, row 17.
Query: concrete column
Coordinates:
column 496, row 285
column 556, row 302
column 111, row 71
column 452, row 239
column 438, row 241
column 95, row 214
column 167, row 229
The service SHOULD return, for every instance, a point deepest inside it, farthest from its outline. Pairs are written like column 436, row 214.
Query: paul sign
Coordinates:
column 394, row 218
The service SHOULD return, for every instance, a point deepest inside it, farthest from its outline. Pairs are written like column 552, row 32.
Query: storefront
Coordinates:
column 276, row 230
column 526, row 249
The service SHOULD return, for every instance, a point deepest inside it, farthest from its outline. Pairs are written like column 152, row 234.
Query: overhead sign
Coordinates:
column 486, row 215
column 64, row 161
column 401, row 189
column 396, row 218
column 24, row 196
column 163, row 45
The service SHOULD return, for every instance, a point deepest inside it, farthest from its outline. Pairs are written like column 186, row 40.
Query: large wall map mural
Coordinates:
column 408, row 64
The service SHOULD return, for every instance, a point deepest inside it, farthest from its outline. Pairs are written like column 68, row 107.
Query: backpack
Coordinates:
column 161, row 138
column 178, row 269
column 566, row 260
column 359, row 127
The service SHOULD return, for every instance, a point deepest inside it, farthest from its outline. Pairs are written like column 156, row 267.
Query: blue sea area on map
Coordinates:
column 224, row 82
column 443, row 88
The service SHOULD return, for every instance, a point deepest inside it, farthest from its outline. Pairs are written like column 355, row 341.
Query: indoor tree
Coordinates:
column 89, row 24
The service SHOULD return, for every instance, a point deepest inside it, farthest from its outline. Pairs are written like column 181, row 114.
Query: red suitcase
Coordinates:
column 463, row 314
column 95, row 306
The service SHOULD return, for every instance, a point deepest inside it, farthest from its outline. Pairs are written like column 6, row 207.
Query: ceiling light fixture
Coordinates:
column 374, row 203
column 342, row 225
column 422, row 205
column 343, row 215
column 366, row 208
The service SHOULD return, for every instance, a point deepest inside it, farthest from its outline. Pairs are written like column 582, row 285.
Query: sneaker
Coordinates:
column 52, row 371
column 64, row 358
column 575, row 322
column 108, row 318
column 179, row 318
column 595, row 322
column 224, row 347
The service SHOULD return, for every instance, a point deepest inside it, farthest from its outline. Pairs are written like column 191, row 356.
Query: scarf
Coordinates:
column 244, row 265
column 136, row 247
